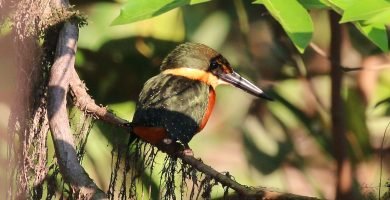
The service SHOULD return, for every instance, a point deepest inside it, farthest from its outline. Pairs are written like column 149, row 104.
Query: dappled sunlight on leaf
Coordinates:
column 134, row 11
column 300, row 31
column 165, row 27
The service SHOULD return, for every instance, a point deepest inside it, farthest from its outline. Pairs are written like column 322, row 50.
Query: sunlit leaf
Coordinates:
column 314, row 4
column 381, row 102
column 138, row 10
column 342, row 4
column 380, row 18
column 198, row 1
column 286, row 12
column 365, row 10
column 376, row 33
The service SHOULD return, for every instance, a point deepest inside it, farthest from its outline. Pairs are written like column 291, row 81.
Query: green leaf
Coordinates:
column 136, row 10
column 365, row 10
column 357, row 122
column 294, row 19
column 372, row 28
column 383, row 101
column 314, row 4
column 342, row 4
column 376, row 33
column 198, row 1
column 380, row 18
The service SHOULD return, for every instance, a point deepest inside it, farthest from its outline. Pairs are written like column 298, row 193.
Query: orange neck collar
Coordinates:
column 196, row 74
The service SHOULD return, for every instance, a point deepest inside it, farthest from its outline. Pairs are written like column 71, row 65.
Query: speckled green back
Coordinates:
column 176, row 103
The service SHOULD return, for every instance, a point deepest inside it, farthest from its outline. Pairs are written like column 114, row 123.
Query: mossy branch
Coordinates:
column 84, row 102
column 60, row 76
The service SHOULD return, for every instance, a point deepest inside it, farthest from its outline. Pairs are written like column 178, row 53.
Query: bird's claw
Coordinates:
column 187, row 151
column 167, row 141
column 128, row 124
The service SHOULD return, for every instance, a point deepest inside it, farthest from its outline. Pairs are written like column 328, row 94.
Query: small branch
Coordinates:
column 323, row 54
column 87, row 104
column 60, row 76
column 242, row 190
column 83, row 101
column 318, row 50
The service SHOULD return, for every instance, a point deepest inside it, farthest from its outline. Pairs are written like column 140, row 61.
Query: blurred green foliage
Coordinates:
column 284, row 144
column 300, row 31
column 369, row 16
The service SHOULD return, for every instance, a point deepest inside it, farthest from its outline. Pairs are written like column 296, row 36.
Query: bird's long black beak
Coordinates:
column 240, row 82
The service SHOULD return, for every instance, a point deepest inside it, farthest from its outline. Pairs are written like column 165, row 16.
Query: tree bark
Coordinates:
column 60, row 76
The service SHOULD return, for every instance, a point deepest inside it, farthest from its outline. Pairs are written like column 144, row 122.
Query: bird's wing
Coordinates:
column 176, row 103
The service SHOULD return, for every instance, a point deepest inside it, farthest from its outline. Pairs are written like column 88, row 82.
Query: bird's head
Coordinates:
column 200, row 62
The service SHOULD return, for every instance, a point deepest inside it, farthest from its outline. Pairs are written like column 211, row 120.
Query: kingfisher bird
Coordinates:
column 176, row 104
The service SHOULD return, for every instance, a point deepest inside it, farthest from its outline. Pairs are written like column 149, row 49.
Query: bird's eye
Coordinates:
column 213, row 65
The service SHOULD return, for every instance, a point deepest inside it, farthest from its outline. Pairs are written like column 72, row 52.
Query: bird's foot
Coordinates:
column 187, row 151
column 127, row 125
column 167, row 141
column 169, row 145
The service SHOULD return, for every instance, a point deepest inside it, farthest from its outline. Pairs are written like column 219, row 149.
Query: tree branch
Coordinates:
column 60, row 76
column 84, row 102
column 344, row 168
column 242, row 190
